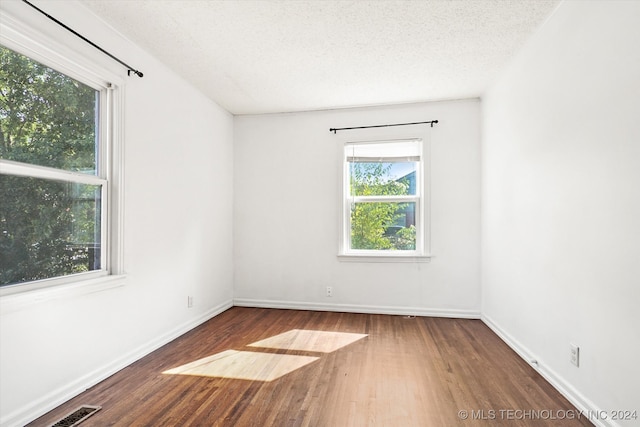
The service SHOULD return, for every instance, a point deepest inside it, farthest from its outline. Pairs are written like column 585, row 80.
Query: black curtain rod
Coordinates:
column 432, row 122
column 130, row 69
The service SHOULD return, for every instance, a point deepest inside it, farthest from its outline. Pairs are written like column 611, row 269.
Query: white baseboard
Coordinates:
column 586, row 407
column 352, row 308
column 57, row 397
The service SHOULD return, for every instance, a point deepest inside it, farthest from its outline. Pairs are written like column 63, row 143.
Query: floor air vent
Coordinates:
column 77, row 416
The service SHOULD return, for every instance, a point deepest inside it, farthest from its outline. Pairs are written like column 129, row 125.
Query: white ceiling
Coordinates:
column 279, row 56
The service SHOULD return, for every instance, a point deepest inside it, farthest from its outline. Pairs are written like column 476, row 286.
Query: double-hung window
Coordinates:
column 383, row 204
column 55, row 175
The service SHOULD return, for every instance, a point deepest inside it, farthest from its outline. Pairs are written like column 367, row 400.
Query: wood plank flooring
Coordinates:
column 406, row 372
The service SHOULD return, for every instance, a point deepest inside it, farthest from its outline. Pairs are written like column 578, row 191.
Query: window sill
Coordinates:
column 385, row 258
column 17, row 300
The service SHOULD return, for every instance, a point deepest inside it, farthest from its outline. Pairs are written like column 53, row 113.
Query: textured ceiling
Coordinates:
column 278, row 56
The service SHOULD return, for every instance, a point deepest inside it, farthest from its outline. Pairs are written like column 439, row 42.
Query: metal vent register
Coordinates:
column 77, row 416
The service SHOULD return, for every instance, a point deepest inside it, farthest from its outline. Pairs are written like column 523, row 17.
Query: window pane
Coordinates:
column 383, row 226
column 48, row 228
column 382, row 178
column 46, row 118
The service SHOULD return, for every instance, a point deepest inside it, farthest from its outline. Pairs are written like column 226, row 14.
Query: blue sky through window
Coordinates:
column 400, row 169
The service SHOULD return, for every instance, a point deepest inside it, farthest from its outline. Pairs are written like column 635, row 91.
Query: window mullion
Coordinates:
column 9, row 167
column 383, row 199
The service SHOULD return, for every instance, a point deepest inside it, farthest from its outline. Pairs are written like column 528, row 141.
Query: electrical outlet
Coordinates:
column 574, row 354
column 189, row 301
column 329, row 291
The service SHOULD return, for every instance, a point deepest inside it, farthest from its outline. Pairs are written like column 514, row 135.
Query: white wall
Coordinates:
column 287, row 211
column 178, row 236
column 561, row 202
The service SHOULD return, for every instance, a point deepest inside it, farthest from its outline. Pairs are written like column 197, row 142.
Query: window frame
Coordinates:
column 421, row 199
column 24, row 39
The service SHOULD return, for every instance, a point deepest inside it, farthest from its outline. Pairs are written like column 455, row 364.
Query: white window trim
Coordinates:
column 422, row 252
column 24, row 39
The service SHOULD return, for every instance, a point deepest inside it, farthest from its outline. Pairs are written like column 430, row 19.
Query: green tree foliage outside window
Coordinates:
column 48, row 227
column 380, row 225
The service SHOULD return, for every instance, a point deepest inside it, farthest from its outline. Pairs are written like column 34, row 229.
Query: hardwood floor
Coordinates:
column 405, row 372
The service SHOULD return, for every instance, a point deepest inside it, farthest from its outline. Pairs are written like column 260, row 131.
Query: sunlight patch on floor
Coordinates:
column 312, row 341
column 244, row 365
